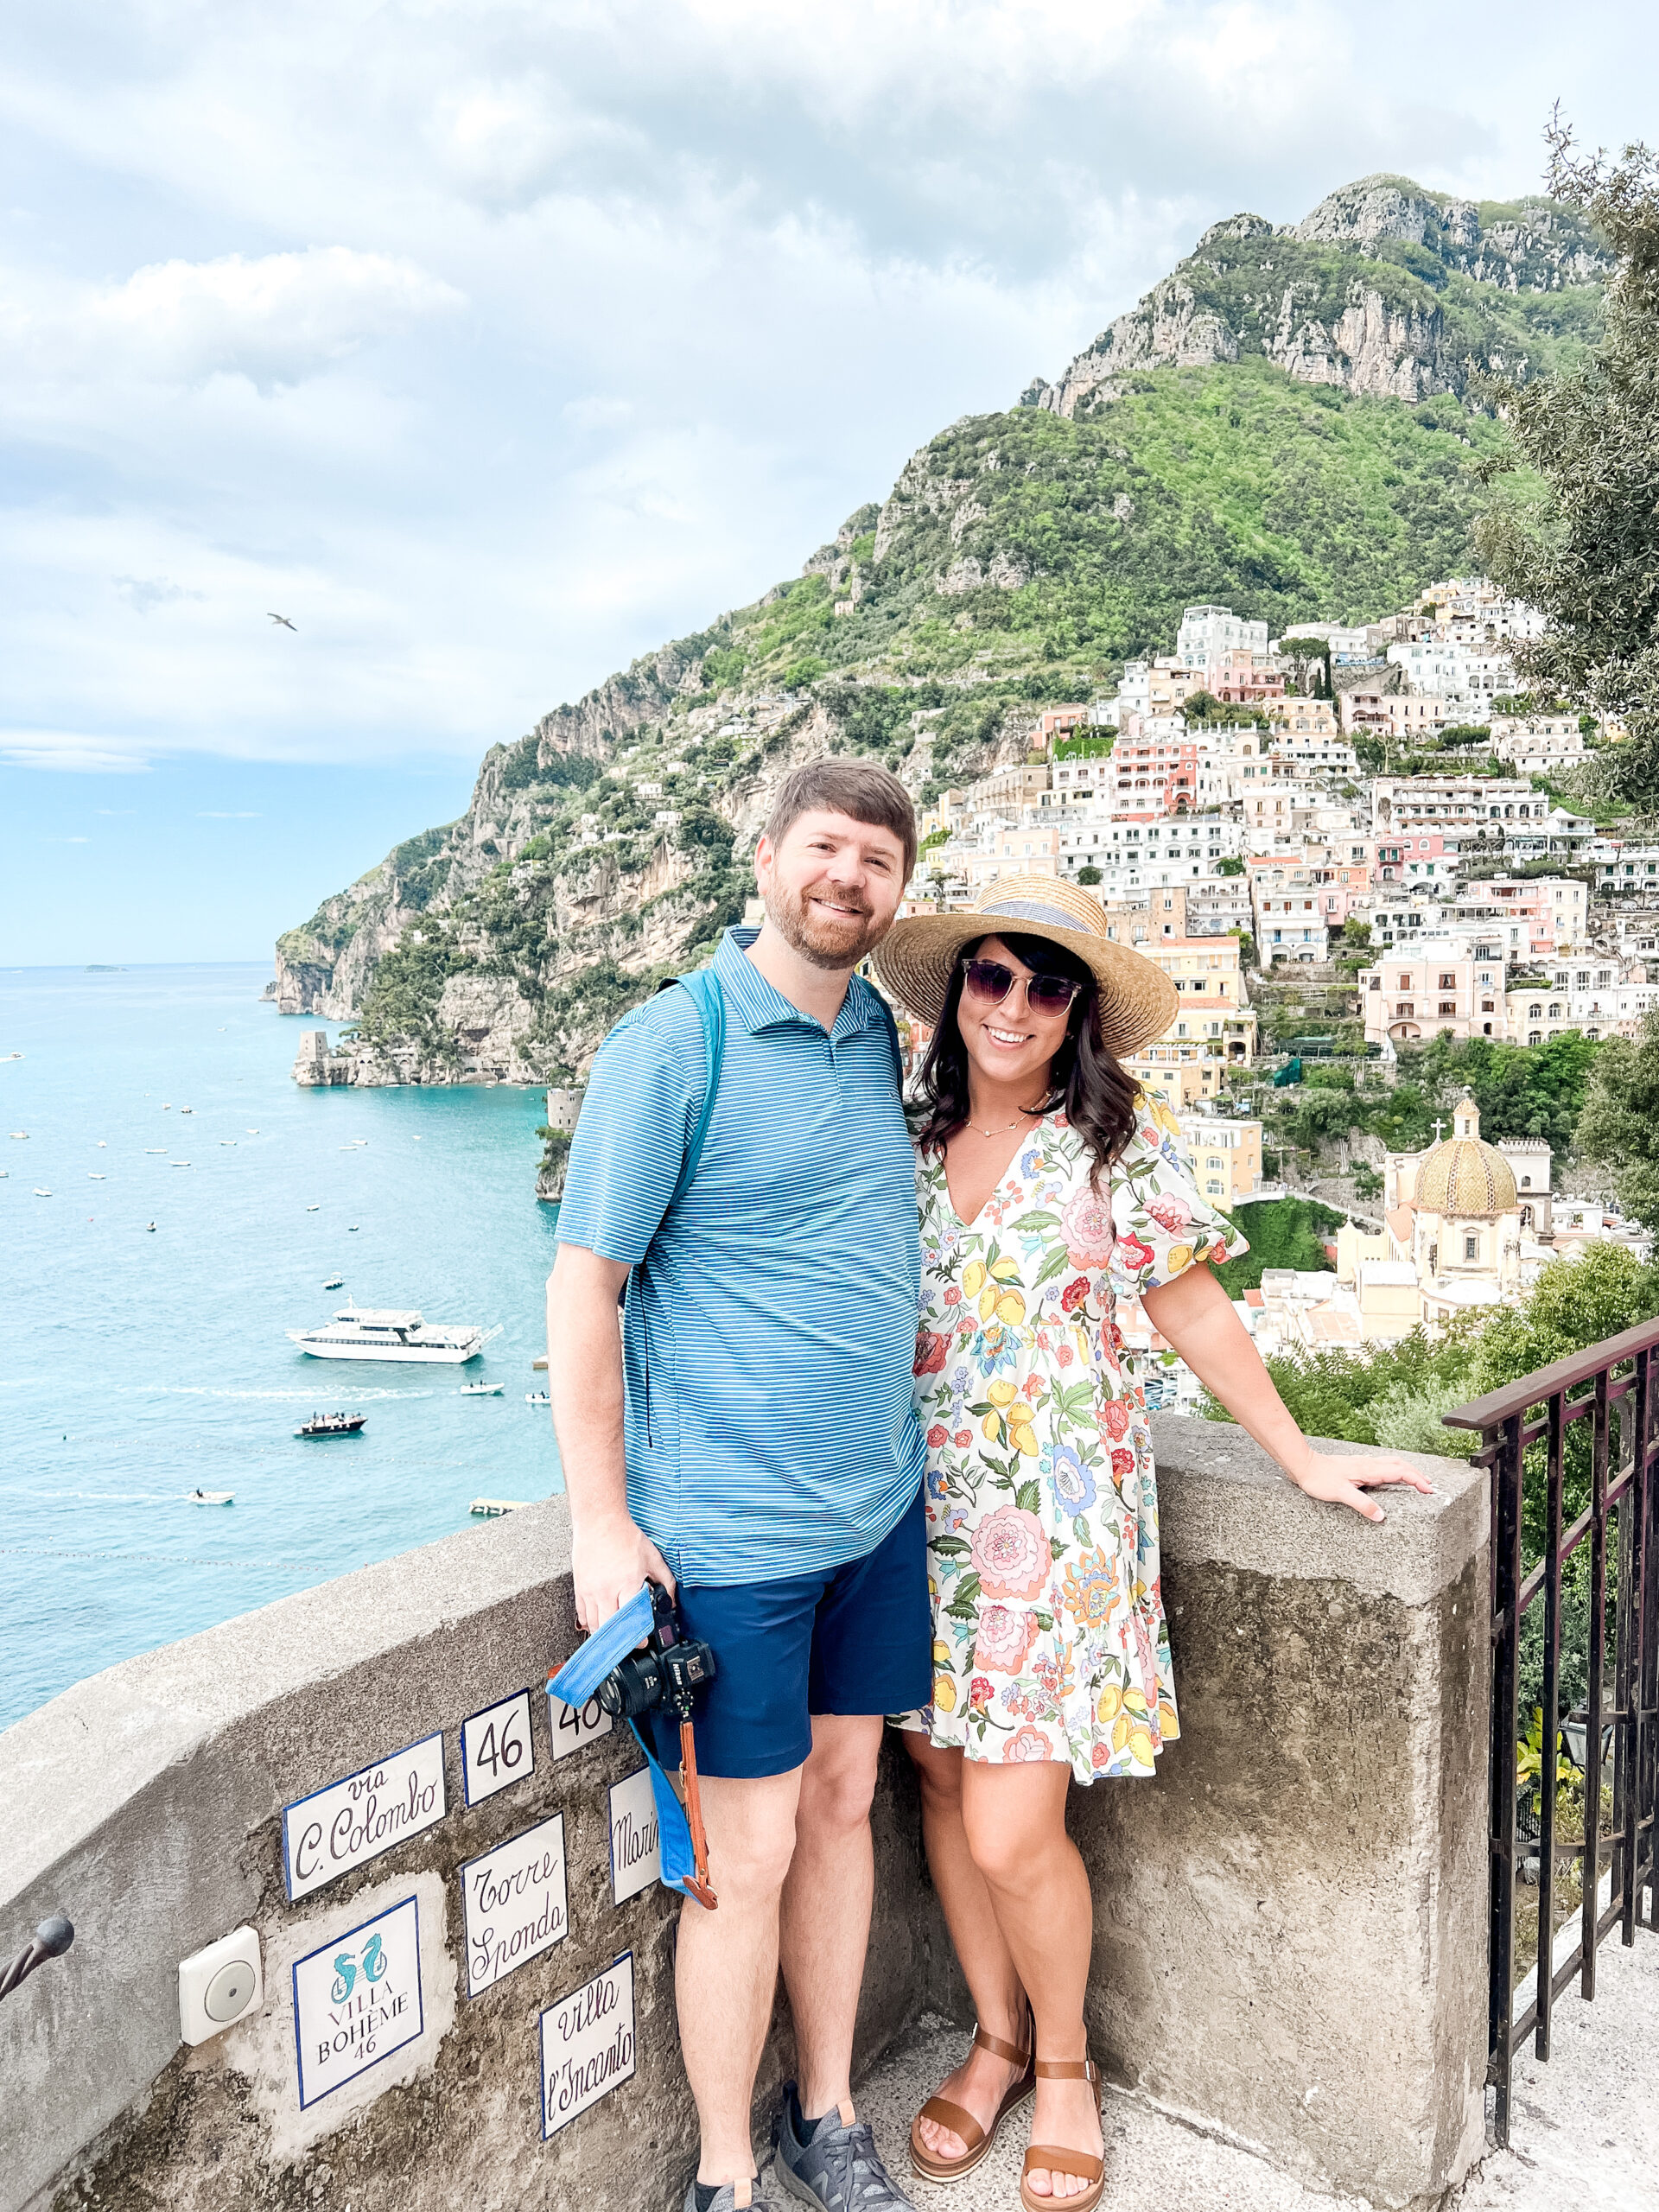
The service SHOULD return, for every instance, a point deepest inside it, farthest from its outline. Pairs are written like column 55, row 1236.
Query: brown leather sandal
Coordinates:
column 961, row 2122
column 1053, row 2158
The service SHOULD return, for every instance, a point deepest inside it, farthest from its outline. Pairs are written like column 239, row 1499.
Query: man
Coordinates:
column 764, row 1455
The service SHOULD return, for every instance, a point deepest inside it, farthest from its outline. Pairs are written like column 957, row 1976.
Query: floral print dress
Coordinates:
column 1042, row 1503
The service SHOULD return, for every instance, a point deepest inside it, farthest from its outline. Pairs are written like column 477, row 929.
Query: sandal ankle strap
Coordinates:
column 1006, row 2052
column 1067, row 2070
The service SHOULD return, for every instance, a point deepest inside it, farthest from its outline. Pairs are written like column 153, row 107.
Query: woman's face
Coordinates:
column 1005, row 1040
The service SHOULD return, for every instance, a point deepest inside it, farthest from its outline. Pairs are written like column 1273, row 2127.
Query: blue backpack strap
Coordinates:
column 894, row 1045
column 703, row 987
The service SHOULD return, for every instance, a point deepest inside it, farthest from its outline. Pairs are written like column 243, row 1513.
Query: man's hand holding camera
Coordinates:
column 609, row 1559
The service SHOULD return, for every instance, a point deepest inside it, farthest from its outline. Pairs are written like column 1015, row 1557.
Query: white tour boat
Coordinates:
column 482, row 1390
column 360, row 1333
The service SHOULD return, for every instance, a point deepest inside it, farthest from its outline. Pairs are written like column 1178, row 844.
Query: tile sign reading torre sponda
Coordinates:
column 356, row 1998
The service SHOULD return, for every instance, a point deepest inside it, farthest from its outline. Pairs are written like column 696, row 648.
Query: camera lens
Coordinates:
column 633, row 1686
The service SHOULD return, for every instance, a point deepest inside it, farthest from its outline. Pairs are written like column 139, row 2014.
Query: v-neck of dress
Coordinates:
column 1040, row 1123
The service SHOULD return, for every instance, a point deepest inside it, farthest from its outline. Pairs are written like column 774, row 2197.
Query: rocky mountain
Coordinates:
column 1286, row 425
column 1384, row 288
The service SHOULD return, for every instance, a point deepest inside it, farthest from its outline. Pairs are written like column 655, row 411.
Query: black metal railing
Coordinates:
column 1540, row 1461
column 50, row 1941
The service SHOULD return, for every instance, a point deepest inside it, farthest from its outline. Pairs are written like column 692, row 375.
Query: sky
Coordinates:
column 492, row 342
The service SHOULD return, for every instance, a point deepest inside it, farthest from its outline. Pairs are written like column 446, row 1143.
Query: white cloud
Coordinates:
column 272, row 319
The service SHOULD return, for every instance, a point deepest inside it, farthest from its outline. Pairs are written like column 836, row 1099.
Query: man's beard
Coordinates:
column 827, row 940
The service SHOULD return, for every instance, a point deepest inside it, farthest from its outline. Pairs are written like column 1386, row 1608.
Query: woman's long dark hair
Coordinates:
column 1098, row 1098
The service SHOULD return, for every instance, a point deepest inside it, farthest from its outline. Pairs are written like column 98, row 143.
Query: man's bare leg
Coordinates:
column 825, row 1927
column 726, row 1967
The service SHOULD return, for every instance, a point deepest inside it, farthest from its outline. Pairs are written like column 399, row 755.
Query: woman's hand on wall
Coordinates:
column 1341, row 1477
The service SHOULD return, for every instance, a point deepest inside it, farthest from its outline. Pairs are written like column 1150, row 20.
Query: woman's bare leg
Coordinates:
column 982, row 2082
column 1014, row 1818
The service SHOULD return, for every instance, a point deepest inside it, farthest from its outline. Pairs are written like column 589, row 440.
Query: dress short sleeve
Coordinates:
column 1163, row 1226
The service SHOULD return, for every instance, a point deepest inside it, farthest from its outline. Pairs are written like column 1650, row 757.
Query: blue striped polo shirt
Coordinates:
column 771, row 1331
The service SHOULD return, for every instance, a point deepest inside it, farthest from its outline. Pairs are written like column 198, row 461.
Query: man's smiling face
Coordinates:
column 831, row 886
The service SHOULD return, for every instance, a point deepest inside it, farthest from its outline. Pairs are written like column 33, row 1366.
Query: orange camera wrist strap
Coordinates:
column 697, row 1884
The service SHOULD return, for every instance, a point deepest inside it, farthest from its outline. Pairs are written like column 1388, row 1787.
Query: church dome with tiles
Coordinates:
column 1464, row 1179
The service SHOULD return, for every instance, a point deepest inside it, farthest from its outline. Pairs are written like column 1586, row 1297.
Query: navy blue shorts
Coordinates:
column 857, row 1638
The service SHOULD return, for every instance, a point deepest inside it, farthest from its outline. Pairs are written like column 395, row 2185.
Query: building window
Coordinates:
column 1448, row 982
column 1472, row 1247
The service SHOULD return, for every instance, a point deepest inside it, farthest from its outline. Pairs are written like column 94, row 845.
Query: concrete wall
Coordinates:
column 1290, row 1941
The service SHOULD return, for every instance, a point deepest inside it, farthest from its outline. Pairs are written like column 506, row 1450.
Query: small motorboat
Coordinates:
column 333, row 1282
column 39, row 1193
column 482, row 1390
column 211, row 1497
column 331, row 1425
column 154, row 1152
column 537, row 1398
column 98, row 1179
column 186, row 1109
column 311, row 1209
column 150, row 1226
column 20, row 1136
column 229, row 1141
column 492, row 1508
column 178, row 1163
column 352, row 1232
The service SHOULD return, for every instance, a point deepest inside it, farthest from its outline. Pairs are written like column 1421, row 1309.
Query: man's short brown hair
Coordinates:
column 863, row 789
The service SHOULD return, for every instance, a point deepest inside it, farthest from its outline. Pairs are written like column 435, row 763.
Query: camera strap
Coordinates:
column 683, row 1847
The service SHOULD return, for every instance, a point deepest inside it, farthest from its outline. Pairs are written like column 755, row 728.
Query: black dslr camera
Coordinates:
column 671, row 1670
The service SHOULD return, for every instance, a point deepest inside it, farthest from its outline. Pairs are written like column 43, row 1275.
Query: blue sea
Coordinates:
column 138, row 1365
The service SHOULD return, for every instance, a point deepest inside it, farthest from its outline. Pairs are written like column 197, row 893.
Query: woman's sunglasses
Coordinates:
column 990, row 982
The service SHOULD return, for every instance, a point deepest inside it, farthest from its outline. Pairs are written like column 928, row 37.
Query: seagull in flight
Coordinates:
column 283, row 619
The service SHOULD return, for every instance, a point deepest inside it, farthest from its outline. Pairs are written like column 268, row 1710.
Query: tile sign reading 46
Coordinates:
column 588, row 2044
column 337, row 1828
column 496, row 1747
column 358, row 1999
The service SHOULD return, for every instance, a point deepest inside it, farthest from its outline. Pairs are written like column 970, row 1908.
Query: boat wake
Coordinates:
column 292, row 1397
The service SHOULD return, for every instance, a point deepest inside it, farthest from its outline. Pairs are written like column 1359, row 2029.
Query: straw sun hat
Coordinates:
column 914, row 960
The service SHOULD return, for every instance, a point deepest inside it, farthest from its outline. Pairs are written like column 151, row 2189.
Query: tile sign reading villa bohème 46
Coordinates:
column 358, row 1999
column 356, row 1818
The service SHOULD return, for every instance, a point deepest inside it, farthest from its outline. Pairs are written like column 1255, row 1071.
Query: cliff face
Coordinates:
column 1384, row 289
column 1277, row 427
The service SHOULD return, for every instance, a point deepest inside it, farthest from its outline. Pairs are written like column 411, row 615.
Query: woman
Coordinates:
column 1049, row 1189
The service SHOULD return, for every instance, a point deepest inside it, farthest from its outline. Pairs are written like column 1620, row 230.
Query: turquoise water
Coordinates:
column 137, row 1366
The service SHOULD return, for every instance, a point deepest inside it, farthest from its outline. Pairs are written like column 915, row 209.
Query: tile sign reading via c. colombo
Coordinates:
column 361, row 1816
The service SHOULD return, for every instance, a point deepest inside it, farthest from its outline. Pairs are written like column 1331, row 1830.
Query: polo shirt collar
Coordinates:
column 760, row 1006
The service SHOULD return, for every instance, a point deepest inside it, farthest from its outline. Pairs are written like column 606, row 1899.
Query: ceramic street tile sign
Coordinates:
column 357, row 2000
column 514, row 1902
column 636, row 1851
column 587, row 2045
column 337, row 1828
column 496, row 1748
column 574, row 1726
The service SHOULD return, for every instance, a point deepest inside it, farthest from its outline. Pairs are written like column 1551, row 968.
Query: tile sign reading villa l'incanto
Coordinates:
column 357, row 2000
column 514, row 1902
column 587, row 2045
column 356, row 1818
column 636, row 1848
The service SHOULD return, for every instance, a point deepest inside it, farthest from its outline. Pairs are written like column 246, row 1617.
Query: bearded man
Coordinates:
column 751, row 1443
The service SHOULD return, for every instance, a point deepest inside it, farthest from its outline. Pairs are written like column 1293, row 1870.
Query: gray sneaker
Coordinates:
column 839, row 2171
column 733, row 2197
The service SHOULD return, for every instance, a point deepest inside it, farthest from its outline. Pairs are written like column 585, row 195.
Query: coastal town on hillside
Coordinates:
column 1246, row 807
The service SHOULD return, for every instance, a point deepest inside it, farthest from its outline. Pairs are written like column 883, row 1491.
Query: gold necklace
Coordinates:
column 1002, row 1132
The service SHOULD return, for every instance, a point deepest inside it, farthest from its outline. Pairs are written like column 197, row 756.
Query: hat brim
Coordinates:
column 914, row 960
